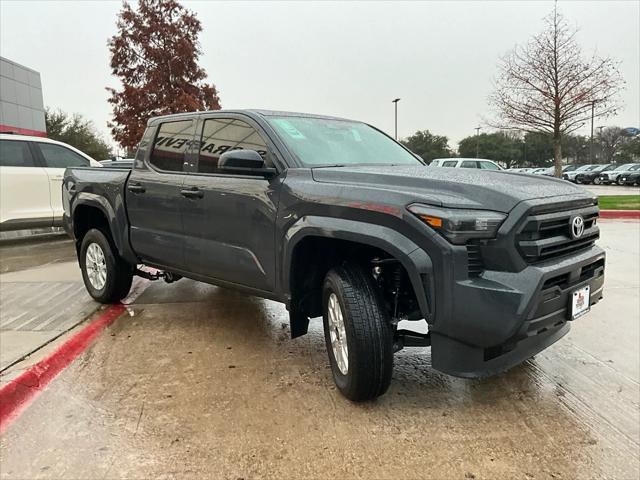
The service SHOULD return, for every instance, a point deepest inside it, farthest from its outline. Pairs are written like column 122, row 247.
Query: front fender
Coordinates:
column 415, row 260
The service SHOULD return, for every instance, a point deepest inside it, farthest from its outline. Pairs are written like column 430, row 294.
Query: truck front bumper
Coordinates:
column 502, row 318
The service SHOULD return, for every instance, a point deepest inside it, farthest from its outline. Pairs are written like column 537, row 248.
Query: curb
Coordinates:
column 620, row 214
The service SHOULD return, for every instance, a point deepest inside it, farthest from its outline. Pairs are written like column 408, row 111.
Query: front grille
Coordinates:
column 547, row 232
column 474, row 260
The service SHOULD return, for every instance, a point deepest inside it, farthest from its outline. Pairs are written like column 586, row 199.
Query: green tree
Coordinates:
column 630, row 151
column 501, row 147
column 77, row 132
column 428, row 145
column 537, row 149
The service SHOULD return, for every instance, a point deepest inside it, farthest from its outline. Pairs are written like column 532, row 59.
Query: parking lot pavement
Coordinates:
column 202, row 381
column 41, row 294
column 612, row 190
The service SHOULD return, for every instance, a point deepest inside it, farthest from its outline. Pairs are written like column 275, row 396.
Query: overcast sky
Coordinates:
column 344, row 59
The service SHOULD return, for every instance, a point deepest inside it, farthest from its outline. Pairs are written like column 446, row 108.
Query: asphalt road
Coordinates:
column 199, row 381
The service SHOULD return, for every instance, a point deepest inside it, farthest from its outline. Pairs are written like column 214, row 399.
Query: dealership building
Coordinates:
column 21, row 104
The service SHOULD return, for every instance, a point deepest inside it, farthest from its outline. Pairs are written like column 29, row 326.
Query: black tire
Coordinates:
column 369, row 334
column 597, row 181
column 119, row 274
column 619, row 180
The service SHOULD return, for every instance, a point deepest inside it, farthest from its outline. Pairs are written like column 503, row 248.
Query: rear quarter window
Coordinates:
column 57, row 156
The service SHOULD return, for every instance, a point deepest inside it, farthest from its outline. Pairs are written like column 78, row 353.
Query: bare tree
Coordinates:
column 611, row 140
column 548, row 85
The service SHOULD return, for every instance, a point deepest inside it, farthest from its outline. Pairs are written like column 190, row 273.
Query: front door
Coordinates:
column 230, row 223
column 153, row 194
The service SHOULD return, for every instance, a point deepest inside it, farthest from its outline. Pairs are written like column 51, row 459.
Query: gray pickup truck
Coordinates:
column 334, row 218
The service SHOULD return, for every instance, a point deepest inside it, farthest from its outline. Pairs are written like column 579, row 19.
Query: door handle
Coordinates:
column 136, row 188
column 193, row 192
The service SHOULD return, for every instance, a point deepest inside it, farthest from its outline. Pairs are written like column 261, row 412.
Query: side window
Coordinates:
column 220, row 135
column 57, row 156
column 15, row 154
column 450, row 163
column 487, row 166
column 469, row 164
column 171, row 143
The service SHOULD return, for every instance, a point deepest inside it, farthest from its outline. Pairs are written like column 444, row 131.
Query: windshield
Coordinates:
column 626, row 166
column 584, row 167
column 323, row 142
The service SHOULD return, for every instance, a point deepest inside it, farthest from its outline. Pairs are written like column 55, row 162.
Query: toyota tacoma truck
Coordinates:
column 337, row 220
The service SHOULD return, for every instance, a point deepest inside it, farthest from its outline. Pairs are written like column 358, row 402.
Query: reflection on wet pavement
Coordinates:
column 203, row 381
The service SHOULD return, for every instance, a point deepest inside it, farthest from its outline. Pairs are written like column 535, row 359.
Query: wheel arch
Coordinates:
column 316, row 233
column 95, row 211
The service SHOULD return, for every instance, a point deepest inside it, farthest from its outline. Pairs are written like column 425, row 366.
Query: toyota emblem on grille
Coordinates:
column 577, row 226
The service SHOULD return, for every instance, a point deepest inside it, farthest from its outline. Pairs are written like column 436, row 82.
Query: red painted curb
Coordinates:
column 17, row 394
column 620, row 214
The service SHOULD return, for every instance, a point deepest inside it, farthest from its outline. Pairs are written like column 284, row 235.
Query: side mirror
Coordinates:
column 244, row 162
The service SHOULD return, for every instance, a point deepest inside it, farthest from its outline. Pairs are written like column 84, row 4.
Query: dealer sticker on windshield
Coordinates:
column 580, row 302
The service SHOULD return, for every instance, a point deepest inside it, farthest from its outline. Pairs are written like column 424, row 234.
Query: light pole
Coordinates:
column 396, row 116
column 593, row 111
column 477, row 129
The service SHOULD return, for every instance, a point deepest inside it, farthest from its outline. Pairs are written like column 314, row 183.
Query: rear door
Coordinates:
column 153, row 194
column 24, row 188
column 230, row 224
column 55, row 159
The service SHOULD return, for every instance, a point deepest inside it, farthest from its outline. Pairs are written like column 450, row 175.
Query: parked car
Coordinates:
column 629, row 178
column 334, row 218
column 31, row 170
column 480, row 163
column 540, row 171
column 571, row 176
column 613, row 176
column 592, row 175
column 126, row 163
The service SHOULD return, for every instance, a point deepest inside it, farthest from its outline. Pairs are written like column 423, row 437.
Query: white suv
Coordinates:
column 31, row 170
column 480, row 163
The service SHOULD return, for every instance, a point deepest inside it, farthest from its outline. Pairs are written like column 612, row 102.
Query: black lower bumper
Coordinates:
column 503, row 319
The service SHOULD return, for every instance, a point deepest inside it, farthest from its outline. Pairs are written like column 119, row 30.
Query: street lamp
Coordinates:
column 477, row 129
column 593, row 111
column 396, row 115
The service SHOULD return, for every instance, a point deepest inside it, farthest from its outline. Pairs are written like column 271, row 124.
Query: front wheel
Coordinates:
column 107, row 277
column 358, row 334
column 619, row 180
column 597, row 181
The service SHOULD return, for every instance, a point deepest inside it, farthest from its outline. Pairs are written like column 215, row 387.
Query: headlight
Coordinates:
column 459, row 226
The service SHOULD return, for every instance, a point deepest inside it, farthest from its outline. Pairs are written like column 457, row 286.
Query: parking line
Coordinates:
column 16, row 395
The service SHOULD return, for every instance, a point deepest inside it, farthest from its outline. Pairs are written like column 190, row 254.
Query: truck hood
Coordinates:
column 452, row 187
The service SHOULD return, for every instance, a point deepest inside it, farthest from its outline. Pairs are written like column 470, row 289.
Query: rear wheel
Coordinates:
column 106, row 276
column 597, row 181
column 358, row 334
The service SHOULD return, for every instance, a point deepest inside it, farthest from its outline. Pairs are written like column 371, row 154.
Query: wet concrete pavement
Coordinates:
column 41, row 294
column 202, row 381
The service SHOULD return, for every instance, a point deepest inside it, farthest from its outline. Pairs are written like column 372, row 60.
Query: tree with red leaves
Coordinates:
column 155, row 55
